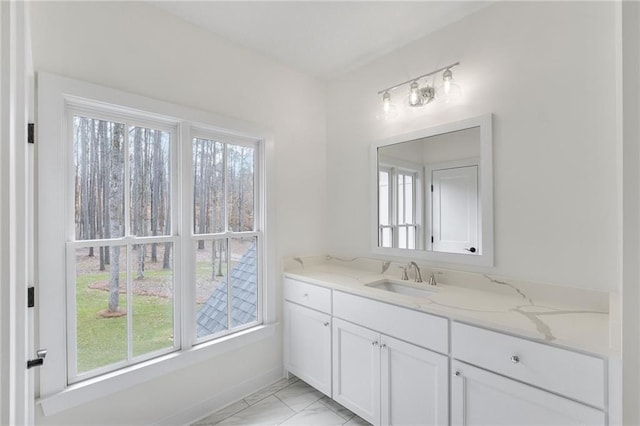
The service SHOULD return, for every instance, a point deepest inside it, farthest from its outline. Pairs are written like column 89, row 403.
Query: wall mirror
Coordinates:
column 433, row 193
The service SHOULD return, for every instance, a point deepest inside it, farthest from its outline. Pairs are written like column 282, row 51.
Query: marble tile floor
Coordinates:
column 286, row 402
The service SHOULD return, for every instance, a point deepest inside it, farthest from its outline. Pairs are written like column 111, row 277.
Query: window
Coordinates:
column 399, row 189
column 164, row 236
column 225, row 238
column 120, row 273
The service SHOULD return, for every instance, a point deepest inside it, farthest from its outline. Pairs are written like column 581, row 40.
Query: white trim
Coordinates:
column 485, row 122
column 92, row 389
column 16, row 399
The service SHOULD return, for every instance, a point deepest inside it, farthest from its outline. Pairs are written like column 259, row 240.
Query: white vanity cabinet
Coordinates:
column 521, row 382
column 307, row 330
column 384, row 380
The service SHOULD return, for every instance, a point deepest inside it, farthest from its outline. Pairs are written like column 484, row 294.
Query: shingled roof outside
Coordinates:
column 212, row 316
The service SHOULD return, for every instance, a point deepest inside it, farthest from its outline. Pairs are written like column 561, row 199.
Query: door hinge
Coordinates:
column 31, row 130
column 31, row 297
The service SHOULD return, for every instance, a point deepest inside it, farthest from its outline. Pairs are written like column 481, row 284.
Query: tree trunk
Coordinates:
column 137, row 196
column 115, row 211
column 156, row 187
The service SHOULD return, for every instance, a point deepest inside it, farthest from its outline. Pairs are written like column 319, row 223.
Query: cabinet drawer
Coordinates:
column 562, row 371
column 310, row 295
column 421, row 329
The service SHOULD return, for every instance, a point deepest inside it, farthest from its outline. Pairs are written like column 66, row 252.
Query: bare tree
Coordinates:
column 116, row 176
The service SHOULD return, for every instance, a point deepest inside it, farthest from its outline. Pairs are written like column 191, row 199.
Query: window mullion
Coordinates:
column 127, row 181
column 129, row 249
column 393, row 189
column 184, row 226
column 225, row 187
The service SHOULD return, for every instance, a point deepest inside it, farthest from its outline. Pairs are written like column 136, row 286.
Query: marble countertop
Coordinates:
column 570, row 318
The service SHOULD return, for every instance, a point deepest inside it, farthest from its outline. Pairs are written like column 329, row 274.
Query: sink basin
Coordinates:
column 399, row 287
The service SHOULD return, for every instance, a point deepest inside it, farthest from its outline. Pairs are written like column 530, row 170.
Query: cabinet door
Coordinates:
column 415, row 385
column 308, row 346
column 479, row 397
column 356, row 369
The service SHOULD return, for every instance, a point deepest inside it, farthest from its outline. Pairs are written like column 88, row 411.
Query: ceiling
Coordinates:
column 322, row 38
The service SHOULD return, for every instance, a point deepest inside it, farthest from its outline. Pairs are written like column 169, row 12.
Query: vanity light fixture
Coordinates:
column 420, row 96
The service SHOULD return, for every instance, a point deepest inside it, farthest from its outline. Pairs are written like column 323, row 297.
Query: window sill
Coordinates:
column 99, row 387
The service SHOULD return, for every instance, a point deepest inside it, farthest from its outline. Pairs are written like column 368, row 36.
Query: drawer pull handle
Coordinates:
column 457, row 374
column 515, row 359
column 374, row 343
column 326, row 324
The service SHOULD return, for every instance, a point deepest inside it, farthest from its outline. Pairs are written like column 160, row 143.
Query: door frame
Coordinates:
column 17, row 398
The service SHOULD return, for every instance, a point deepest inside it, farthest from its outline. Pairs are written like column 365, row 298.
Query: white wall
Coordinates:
column 546, row 71
column 138, row 48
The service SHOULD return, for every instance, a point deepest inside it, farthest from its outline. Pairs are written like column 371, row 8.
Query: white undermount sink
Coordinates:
column 399, row 287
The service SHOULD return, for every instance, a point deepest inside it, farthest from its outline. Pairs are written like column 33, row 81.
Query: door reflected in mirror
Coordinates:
column 433, row 192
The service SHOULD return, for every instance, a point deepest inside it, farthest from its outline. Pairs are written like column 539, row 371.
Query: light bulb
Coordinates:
column 447, row 76
column 414, row 95
column 389, row 110
column 449, row 90
column 386, row 102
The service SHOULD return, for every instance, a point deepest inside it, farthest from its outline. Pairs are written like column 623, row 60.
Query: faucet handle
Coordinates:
column 405, row 276
column 432, row 279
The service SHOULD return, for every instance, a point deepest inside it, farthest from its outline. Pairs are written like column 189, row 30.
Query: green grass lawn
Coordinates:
column 103, row 341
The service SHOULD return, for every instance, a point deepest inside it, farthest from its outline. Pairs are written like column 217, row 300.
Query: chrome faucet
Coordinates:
column 432, row 279
column 405, row 277
column 418, row 274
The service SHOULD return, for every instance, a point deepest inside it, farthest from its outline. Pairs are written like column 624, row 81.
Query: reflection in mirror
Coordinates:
column 433, row 194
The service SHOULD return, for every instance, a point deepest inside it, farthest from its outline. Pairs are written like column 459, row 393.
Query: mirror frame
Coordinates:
column 486, row 258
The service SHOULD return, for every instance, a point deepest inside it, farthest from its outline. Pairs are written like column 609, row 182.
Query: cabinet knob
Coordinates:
column 305, row 295
column 384, row 345
column 374, row 343
column 326, row 324
column 457, row 374
column 515, row 359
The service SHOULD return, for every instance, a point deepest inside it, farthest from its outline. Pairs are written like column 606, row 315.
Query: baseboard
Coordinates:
column 222, row 399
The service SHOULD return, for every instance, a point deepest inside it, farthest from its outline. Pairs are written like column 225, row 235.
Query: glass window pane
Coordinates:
column 386, row 237
column 211, row 287
column 408, row 199
column 208, row 186
column 412, row 237
column 401, row 218
column 243, row 263
column 150, row 182
column 240, row 190
column 402, row 237
column 99, row 178
column 152, row 297
column 383, row 197
column 101, row 307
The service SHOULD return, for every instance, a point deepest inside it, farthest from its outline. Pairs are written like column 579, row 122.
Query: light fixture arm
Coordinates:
column 418, row 78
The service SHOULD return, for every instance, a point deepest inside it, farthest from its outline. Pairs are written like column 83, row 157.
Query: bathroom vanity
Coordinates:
column 465, row 354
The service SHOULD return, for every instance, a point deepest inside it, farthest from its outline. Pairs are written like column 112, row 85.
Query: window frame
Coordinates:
column 53, row 154
column 258, row 195
column 394, row 168
column 75, row 107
